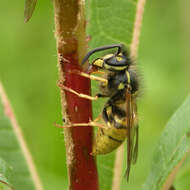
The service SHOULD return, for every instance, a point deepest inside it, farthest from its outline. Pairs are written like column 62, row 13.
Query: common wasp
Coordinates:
column 119, row 83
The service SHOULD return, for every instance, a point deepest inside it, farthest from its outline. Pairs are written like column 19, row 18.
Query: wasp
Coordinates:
column 119, row 83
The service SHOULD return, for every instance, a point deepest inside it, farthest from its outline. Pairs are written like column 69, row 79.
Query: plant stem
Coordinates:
column 71, row 46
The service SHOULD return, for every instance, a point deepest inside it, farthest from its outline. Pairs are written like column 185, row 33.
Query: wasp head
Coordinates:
column 118, row 61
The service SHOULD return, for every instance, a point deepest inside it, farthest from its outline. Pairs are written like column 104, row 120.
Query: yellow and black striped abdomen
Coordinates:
column 115, row 132
column 108, row 140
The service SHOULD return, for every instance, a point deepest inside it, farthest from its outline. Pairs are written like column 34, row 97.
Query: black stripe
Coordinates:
column 114, row 139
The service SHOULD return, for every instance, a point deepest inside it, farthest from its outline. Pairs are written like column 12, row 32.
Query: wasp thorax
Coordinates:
column 133, row 81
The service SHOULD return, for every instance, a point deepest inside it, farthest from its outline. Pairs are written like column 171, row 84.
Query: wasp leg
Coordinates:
column 91, row 123
column 78, row 94
column 92, row 77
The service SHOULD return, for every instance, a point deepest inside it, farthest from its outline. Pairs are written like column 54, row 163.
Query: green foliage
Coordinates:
column 29, row 9
column 5, row 172
column 111, row 22
column 173, row 146
column 29, row 73
column 29, row 76
column 11, row 152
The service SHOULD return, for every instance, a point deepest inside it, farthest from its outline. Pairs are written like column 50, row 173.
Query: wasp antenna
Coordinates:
column 120, row 47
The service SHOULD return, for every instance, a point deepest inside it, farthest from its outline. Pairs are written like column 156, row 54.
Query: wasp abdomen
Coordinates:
column 108, row 139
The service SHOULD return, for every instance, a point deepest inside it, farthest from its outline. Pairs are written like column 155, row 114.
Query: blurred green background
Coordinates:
column 28, row 71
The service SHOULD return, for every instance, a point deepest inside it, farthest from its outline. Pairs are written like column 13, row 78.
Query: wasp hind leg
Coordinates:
column 91, row 123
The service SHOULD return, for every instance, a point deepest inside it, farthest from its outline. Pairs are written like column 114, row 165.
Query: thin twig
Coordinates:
column 173, row 173
column 137, row 28
column 118, row 166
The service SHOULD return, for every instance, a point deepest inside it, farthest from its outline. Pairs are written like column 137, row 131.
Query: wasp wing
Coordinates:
column 136, row 131
column 132, row 131
column 29, row 9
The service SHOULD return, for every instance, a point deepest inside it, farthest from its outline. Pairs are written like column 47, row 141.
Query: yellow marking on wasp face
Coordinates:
column 128, row 77
column 109, row 110
column 121, row 86
column 98, row 62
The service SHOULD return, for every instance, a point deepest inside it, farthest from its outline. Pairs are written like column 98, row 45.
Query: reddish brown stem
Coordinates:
column 70, row 35
column 83, row 171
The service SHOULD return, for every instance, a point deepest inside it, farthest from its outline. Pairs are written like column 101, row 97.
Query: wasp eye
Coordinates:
column 111, row 61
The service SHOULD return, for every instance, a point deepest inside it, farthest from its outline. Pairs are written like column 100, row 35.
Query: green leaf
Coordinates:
column 11, row 152
column 109, row 22
column 172, row 149
column 29, row 9
column 5, row 172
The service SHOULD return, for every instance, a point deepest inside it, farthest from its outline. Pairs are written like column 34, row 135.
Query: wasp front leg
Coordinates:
column 91, row 77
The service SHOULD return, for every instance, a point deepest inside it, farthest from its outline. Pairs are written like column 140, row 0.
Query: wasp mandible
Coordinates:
column 120, row 85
